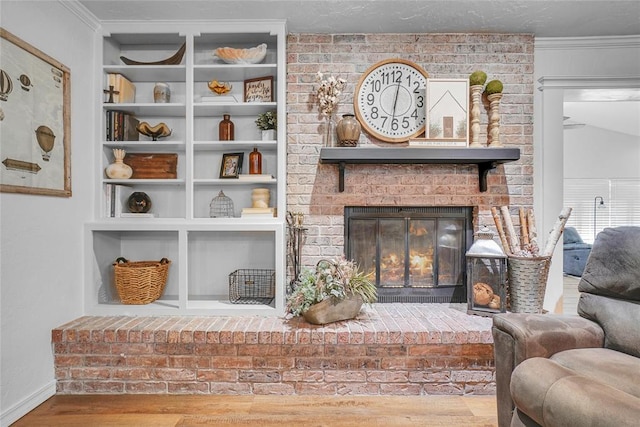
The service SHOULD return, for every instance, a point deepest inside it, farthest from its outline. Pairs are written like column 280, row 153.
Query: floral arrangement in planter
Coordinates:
column 334, row 290
column 267, row 123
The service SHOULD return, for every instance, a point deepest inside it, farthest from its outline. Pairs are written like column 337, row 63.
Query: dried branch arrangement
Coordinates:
column 526, row 244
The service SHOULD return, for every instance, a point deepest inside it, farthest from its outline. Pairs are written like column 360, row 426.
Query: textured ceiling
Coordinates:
column 542, row 18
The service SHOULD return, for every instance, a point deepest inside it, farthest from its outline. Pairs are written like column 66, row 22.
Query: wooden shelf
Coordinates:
column 485, row 158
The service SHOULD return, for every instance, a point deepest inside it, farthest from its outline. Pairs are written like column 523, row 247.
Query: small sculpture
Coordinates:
column 161, row 130
column 219, row 88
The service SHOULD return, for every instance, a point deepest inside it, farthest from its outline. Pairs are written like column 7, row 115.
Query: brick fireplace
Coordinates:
column 313, row 186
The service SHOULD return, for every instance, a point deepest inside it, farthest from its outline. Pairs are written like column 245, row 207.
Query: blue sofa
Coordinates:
column 575, row 252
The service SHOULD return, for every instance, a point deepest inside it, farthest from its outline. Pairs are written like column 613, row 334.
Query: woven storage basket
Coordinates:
column 140, row 282
column 527, row 283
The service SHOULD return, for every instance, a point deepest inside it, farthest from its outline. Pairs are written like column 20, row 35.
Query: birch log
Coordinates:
column 503, row 237
column 514, row 244
column 524, row 229
column 556, row 232
column 533, row 233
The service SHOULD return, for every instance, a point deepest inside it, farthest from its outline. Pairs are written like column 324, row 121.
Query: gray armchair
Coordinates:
column 584, row 370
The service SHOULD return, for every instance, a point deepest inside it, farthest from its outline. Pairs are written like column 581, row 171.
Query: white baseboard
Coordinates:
column 20, row 409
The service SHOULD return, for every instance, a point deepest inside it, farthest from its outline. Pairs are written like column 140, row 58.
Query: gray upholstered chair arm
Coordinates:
column 519, row 336
column 543, row 335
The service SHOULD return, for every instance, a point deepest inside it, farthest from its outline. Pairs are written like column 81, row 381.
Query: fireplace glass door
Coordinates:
column 415, row 254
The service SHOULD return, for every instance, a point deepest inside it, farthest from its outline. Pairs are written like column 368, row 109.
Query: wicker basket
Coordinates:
column 252, row 286
column 527, row 283
column 140, row 282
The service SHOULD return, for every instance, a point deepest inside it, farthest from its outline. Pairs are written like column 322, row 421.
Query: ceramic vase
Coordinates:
column 161, row 93
column 118, row 169
column 348, row 130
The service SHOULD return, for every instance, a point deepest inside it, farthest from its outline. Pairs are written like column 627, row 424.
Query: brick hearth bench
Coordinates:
column 408, row 349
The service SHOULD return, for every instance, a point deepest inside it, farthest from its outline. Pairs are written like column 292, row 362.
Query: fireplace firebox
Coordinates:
column 416, row 254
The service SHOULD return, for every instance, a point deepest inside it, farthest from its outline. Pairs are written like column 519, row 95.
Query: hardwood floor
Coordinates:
column 181, row 410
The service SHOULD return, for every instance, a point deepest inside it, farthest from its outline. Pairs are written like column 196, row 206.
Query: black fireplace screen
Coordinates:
column 416, row 254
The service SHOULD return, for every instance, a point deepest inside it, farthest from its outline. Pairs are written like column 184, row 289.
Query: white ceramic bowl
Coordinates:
column 232, row 55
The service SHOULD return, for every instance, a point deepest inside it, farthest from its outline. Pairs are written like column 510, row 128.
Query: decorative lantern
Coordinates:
column 486, row 275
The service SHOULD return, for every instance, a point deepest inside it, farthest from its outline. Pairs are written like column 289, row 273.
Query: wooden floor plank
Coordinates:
column 280, row 411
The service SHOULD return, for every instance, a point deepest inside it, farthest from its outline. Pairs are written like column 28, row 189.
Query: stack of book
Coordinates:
column 258, row 212
column 121, row 126
column 114, row 200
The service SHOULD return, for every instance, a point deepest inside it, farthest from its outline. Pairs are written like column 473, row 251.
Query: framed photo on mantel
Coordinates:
column 34, row 120
column 447, row 114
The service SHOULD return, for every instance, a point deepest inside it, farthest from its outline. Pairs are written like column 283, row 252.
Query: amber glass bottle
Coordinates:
column 225, row 129
column 255, row 161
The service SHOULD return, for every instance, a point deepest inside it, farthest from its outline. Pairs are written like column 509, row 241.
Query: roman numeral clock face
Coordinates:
column 390, row 100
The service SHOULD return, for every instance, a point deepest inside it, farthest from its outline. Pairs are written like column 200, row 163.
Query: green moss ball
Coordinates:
column 477, row 78
column 494, row 86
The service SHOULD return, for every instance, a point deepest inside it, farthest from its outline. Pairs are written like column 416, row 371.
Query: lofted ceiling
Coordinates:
column 543, row 18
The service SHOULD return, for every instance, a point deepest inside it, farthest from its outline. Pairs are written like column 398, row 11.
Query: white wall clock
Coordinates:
column 389, row 100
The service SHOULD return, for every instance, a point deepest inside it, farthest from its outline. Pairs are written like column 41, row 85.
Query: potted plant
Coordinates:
column 332, row 291
column 268, row 123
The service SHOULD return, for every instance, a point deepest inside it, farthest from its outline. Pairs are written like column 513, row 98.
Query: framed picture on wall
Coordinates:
column 34, row 119
column 447, row 113
column 231, row 165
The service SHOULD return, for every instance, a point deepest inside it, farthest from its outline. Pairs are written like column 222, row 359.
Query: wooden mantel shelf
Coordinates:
column 485, row 158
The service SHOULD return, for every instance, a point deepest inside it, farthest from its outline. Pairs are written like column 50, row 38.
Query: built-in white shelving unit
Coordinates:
column 203, row 250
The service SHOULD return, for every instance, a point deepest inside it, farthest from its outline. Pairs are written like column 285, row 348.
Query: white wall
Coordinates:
column 42, row 237
column 593, row 152
column 568, row 63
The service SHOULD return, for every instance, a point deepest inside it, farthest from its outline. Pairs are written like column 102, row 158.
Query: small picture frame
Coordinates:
column 259, row 89
column 447, row 112
column 231, row 165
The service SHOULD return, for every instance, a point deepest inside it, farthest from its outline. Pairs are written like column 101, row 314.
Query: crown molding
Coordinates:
column 604, row 42
column 82, row 13
column 589, row 82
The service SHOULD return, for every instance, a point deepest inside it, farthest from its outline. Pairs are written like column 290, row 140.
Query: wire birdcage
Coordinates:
column 221, row 206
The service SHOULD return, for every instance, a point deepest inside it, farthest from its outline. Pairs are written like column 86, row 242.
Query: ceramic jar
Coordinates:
column 118, row 169
column 161, row 93
column 260, row 198
column 348, row 130
column 226, row 129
